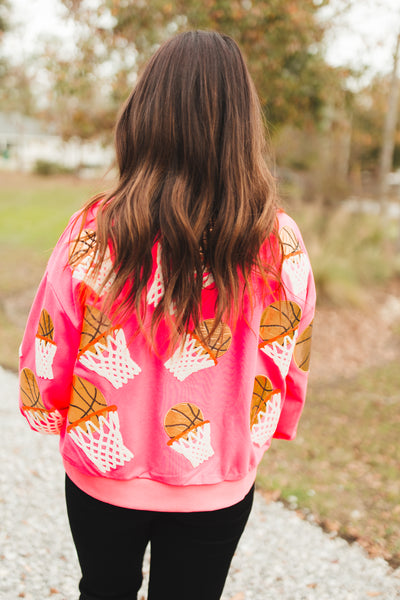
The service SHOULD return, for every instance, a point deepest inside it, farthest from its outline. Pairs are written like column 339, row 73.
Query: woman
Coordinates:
column 169, row 339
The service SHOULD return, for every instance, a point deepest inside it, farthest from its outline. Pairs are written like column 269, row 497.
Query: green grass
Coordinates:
column 344, row 465
column 33, row 213
column 33, row 216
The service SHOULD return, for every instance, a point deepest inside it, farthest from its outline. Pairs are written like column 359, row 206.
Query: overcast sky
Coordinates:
column 365, row 37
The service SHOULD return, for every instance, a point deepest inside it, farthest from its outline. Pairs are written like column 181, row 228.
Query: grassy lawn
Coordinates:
column 343, row 468
column 33, row 213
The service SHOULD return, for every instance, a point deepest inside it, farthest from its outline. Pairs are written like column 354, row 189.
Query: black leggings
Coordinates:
column 190, row 552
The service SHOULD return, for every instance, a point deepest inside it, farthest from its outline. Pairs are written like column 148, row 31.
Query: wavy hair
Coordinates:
column 193, row 175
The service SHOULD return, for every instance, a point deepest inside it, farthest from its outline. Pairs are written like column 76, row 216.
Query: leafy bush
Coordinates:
column 47, row 168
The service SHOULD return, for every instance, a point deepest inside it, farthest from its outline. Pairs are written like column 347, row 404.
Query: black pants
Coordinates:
column 190, row 552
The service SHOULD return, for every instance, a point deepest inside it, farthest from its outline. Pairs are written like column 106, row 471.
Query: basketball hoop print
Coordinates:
column 84, row 260
column 38, row 416
column 94, row 427
column 156, row 291
column 104, row 350
column 189, row 433
column 265, row 410
column 295, row 263
column 195, row 355
column 278, row 332
column 157, row 288
column 45, row 348
column 85, row 244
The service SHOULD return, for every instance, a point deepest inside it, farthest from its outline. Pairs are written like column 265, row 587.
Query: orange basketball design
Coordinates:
column 38, row 416
column 95, row 326
column 278, row 320
column 289, row 241
column 30, row 393
column 45, row 347
column 83, row 246
column 84, row 261
column 262, row 393
column 86, row 403
column 303, row 348
column 265, row 411
column 94, row 427
column 220, row 340
column 190, row 434
column 45, row 328
column 181, row 419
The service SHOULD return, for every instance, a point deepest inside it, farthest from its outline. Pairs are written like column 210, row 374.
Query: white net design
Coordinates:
column 190, row 359
column 84, row 272
column 44, row 421
column 197, row 447
column 111, row 359
column 44, row 355
column 296, row 268
column 102, row 443
column 156, row 290
column 267, row 421
column 208, row 279
column 281, row 354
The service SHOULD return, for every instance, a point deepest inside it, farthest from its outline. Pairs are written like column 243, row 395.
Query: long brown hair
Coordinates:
column 191, row 152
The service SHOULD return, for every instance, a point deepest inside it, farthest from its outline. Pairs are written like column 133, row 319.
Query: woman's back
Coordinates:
column 198, row 415
column 169, row 339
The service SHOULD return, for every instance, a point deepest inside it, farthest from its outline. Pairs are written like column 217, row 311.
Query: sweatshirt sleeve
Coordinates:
column 299, row 288
column 49, row 346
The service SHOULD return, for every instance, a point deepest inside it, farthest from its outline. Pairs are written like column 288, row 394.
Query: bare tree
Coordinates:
column 389, row 130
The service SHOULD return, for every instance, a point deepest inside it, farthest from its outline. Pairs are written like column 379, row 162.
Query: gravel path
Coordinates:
column 280, row 556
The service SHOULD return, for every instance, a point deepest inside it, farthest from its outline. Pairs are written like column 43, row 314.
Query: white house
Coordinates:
column 24, row 140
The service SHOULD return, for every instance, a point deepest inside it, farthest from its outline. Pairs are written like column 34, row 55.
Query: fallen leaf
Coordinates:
column 330, row 525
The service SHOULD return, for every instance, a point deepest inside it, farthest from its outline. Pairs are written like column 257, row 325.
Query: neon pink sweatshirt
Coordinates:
column 167, row 430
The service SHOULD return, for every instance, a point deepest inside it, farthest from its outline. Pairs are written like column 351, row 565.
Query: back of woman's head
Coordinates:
column 192, row 111
column 191, row 155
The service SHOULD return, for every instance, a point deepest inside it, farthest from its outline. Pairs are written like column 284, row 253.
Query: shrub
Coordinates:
column 47, row 168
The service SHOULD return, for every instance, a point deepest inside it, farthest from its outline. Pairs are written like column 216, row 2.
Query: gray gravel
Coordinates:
column 280, row 556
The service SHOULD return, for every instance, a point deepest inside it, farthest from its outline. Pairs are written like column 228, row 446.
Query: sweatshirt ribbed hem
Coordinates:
column 145, row 494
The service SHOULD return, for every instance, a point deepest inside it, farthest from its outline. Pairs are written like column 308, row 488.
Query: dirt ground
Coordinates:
column 348, row 340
